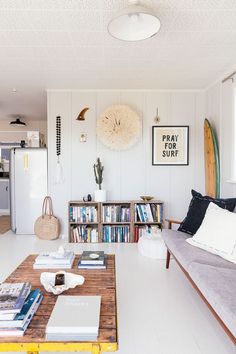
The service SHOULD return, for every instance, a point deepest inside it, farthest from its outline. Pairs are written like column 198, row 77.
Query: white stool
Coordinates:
column 152, row 246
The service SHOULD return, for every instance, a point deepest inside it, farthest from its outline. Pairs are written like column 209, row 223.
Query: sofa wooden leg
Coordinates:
column 167, row 259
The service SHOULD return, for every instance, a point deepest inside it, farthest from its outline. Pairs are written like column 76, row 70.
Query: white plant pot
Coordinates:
column 100, row 195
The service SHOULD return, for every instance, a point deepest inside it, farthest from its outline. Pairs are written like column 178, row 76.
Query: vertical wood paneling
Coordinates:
column 133, row 162
column 182, row 177
column 59, row 104
column 220, row 112
column 213, row 106
column 226, row 141
column 128, row 174
column 199, row 180
column 83, row 154
column 158, row 177
column 110, row 158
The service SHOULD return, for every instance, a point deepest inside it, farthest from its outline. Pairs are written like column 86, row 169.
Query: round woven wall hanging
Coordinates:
column 119, row 127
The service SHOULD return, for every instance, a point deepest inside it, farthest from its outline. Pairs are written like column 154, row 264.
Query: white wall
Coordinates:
column 219, row 108
column 128, row 174
column 37, row 125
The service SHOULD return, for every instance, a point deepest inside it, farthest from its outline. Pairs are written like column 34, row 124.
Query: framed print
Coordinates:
column 170, row 145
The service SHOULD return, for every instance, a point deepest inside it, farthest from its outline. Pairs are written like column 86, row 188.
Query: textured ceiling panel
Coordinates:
column 65, row 44
column 51, row 4
column 34, row 38
column 22, row 52
column 224, row 20
column 87, row 38
column 193, row 21
column 83, row 20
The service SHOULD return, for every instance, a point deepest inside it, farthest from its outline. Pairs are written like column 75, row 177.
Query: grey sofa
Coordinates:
column 213, row 277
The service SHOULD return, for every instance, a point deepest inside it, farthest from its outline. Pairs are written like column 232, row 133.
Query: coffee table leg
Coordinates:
column 96, row 349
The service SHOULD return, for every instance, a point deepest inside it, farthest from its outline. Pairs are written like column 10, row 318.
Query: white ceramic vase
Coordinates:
column 100, row 195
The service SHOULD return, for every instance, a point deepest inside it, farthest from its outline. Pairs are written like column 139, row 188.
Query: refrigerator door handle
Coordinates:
column 12, row 190
column 26, row 162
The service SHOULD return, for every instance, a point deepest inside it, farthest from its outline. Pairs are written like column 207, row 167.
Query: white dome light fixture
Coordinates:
column 134, row 23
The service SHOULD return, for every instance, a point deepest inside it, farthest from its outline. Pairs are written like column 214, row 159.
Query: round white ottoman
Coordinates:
column 152, row 246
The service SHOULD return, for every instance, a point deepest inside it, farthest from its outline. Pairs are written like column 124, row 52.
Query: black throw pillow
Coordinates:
column 197, row 209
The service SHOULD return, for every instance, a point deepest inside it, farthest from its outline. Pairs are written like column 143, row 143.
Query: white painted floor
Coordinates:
column 158, row 310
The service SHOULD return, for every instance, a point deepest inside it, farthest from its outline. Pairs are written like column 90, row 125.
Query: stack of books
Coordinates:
column 74, row 318
column 18, row 304
column 51, row 261
column 92, row 260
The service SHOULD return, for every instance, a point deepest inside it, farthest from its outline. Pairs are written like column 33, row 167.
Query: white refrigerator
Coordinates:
column 28, row 187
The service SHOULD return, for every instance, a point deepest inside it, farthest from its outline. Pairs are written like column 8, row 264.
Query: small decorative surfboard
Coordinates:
column 212, row 161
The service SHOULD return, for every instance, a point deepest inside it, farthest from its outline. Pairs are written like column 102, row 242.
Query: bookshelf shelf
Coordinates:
column 116, row 223
column 84, row 223
column 147, row 223
column 113, row 221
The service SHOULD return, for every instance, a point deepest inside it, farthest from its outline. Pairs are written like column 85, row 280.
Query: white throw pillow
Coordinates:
column 217, row 233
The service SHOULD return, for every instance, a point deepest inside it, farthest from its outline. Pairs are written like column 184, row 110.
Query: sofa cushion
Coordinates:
column 217, row 233
column 197, row 210
column 218, row 285
column 186, row 253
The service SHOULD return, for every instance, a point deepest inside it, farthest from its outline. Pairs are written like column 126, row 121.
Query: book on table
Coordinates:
column 47, row 260
column 21, row 317
column 74, row 318
column 15, row 324
column 13, row 296
column 92, row 266
column 92, row 257
column 92, row 260
column 20, row 330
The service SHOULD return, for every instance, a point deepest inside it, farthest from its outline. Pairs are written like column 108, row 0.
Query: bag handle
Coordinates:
column 43, row 207
column 50, row 206
column 47, row 207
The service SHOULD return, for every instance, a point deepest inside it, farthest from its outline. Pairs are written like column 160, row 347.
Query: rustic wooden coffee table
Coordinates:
column 97, row 282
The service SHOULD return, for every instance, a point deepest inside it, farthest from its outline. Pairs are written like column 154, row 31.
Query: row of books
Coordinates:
column 116, row 213
column 116, row 233
column 18, row 304
column 54, row 260
column 84, row 233
column 83, row 214
column 140, row 231
column 149, row 212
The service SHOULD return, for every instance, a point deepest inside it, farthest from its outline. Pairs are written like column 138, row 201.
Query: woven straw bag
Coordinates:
column 47, row 226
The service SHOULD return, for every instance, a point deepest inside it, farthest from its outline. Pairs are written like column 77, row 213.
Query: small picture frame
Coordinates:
column 170, row 145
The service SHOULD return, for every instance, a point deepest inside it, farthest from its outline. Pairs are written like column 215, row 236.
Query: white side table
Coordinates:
column 152, row 246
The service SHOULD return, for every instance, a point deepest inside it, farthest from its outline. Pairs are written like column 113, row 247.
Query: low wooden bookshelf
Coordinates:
column 113, row 221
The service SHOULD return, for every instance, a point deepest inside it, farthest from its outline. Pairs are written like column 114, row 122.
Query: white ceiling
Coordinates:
column 65, row 44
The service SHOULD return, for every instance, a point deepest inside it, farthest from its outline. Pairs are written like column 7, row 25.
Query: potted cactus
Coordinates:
column 99, row 194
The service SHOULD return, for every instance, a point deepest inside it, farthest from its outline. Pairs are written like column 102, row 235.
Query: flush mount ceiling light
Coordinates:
column 134, row 23
column 17, row 122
